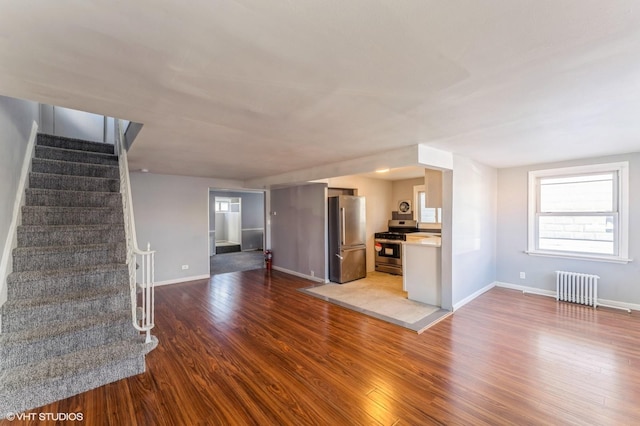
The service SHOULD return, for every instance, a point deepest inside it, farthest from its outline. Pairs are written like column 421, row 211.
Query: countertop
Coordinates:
column 416, row 240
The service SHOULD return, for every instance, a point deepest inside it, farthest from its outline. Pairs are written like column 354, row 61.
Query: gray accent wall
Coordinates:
column 618, row 282
column 298, row 229
column 16, row 119
column 71, row 123
column 473, row 228
column 172, row 213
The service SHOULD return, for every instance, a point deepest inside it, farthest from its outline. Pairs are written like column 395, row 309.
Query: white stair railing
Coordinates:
column 142, row 302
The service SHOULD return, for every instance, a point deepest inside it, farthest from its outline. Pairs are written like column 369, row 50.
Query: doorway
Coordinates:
column 228, row 224
column 236, row 230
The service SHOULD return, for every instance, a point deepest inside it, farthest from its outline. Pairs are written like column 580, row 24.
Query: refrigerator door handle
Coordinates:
column 343, row 220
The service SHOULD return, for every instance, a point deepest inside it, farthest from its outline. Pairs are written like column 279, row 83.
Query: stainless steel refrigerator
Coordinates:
column 347, row 238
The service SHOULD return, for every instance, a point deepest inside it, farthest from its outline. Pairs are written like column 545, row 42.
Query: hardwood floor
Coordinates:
column 248, row 348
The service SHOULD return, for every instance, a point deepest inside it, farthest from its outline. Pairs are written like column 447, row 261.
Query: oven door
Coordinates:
column 388, row 256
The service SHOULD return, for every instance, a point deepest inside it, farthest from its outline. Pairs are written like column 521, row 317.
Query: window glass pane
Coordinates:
column 583, row 234
column 426, row 215
column 590, row 193
column 222, row 206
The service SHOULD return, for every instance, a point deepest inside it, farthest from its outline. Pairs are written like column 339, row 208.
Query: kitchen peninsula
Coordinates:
column 421, row 262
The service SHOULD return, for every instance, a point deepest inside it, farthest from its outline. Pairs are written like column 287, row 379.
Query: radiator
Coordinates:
column 578, row 288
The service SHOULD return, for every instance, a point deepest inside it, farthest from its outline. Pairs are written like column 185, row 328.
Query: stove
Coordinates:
column 398, row 230
column 388, row 245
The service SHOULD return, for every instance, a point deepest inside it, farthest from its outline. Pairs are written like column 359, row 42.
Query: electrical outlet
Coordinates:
column 313, row 274
column 185, row 267
column 523, row 275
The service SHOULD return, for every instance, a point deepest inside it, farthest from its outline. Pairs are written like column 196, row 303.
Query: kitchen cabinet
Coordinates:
column 421, row 269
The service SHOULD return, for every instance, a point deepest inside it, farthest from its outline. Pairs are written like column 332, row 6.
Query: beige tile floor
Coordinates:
column 379, row 295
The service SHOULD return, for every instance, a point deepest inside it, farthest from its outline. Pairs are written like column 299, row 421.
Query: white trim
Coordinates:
column 622, row 168
column 298, row 274
column 552, row 293
column 416, row 202
column 472, row 296
column 526, row 289
column 11, row 242
column 595, row 258
column 182, row 280
column 618, row 305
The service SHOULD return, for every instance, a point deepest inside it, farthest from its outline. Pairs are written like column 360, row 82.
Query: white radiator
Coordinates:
column 577, row 288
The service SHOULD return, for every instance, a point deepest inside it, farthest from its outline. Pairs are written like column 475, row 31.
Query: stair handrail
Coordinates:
column 143, row 314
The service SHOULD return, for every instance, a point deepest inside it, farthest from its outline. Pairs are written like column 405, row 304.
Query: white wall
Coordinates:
column 473, row 229
column 379, row 203
column 618, row 283
column 172, row 213
column 16, row 120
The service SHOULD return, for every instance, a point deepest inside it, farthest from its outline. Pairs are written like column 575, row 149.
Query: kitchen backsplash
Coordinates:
column 401, row 216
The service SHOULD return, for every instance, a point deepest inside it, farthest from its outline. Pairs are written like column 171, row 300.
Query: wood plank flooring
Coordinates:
column 248, row 348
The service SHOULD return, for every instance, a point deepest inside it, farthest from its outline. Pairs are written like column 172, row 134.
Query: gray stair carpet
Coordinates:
column 66, row 325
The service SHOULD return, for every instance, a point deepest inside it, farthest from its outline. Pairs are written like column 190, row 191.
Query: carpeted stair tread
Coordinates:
column 63, row 378
column 26, row 347
column 32, row 351
column 55, row 300
column 54, row 215
column 39, row 251
column 58, row 235
column 54, row 283
column 58, row 167
column 74, row 156
column 24, row 276
column 62, row 257
column 101, row 320
column 45, row 311
column 82, row 360
column 69, row 198
column 74, row 183
column 74, row 144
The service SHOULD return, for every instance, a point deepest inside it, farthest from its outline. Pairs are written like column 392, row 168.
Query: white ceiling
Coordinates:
column 243, row 89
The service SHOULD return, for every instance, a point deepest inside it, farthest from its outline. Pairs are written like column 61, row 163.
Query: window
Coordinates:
column 580, row 212
column 222, row 206
column 424, row 214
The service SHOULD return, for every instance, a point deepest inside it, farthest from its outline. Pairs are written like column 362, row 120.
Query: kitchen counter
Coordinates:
column 419, row 240
column 421, row 269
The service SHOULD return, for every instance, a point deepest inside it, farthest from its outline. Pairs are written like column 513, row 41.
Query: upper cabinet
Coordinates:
column 433, row 188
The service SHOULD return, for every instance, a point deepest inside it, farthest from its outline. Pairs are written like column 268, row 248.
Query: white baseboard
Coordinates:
column 617, row 304
column 526, row 289
column 182, row 280
column 552, row 293
column 298, row 274
column 473, row 296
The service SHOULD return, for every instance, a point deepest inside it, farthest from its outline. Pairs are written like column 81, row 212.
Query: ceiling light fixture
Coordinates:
column 144, row 170
column 382, row 170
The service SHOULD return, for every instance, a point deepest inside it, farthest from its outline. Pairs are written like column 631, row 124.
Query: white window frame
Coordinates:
column 622, row 232
column 417, row 189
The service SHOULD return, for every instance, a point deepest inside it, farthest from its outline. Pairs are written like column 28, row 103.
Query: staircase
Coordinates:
column 67, row 325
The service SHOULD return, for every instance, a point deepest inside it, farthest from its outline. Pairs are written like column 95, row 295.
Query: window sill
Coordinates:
column 595, row 258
